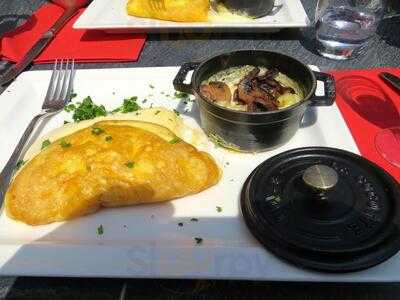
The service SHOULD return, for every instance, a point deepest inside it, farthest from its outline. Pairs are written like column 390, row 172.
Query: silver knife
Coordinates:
column 393, row 80
column 16, row 69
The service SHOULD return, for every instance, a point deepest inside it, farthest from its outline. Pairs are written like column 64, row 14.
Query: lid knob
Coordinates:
column 320, row 177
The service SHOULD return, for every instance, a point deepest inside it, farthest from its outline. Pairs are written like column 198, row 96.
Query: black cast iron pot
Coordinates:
column 254, row 131
column 254, row 8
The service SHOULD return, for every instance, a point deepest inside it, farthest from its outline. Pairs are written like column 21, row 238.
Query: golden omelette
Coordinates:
column 171, row 10
column 109, row 164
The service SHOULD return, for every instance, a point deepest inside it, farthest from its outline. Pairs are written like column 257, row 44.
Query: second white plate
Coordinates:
column 111, row 16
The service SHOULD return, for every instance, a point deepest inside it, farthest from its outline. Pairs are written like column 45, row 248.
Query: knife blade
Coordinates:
column 37, row 48
column 393, row 80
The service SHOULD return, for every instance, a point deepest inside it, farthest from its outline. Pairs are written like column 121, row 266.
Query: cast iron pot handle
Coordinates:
column 179, row 84
column 329, row 92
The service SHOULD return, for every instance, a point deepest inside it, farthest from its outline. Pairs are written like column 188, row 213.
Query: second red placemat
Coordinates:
column 369, row 106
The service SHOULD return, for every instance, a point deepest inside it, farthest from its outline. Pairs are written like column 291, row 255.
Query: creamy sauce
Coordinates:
column 220, row 14
column 232, row 77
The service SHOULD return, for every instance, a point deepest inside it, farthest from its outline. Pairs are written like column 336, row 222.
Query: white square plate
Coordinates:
column 145, row 241
column 111, row 16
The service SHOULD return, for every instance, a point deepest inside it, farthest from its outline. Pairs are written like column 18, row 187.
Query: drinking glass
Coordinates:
column 343, row 27
column 387, row 143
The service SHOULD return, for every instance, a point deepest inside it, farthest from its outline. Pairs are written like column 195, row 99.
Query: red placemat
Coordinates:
column 81, row 45
column 369, row 106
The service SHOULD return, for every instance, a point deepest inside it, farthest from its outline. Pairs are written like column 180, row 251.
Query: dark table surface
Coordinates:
column 173, row 50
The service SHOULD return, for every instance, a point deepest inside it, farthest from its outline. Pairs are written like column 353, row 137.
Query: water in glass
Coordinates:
column 343, row 28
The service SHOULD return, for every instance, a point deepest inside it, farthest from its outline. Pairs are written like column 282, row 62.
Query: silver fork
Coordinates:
column 157, row 4
column 58, row 95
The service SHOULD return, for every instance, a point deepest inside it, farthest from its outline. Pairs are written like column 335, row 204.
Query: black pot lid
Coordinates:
column 323, row 208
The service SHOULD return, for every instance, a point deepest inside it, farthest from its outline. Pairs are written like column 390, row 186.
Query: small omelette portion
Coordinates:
column 171, row 10
column 108, row 164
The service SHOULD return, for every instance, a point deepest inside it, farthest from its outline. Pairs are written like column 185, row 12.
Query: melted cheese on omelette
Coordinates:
column 157, row 115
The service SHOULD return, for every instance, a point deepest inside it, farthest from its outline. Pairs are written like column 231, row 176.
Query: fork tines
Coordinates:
column 60, row 86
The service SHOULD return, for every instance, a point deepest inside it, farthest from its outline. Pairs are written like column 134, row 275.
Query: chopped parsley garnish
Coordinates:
column 157, row 112
column 180, row 224
column 100, row 230
column 198, row 240
column 19, row 164
column 176, row 112
column 175, row 141
column 65, row 144
column 70, row 107
column 86, row 110
column 130, row 164
column 73, row 95
column 66, row 122
column 109, row 138
column 144, row 101
column 97, row 131
column 45, row 144
column 219, row 209
column 130, row 105
column 162, row 93
column 151, row 86
column 194, row 219
column 180, row 95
